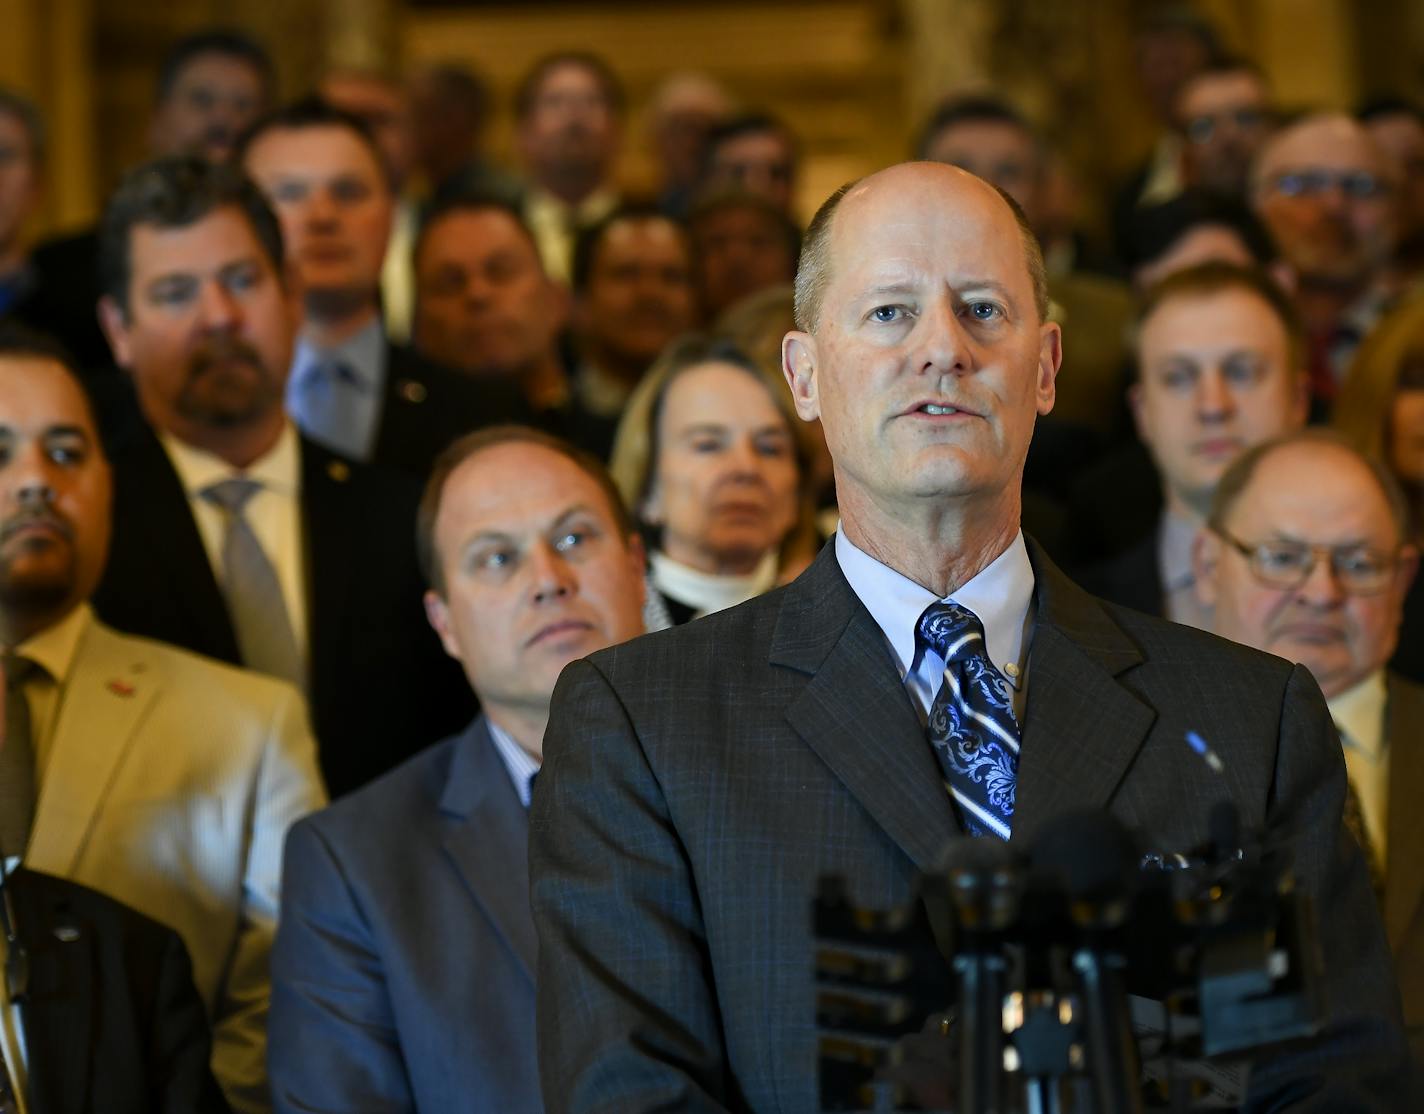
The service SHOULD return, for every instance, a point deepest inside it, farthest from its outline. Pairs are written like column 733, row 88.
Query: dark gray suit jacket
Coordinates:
column 1404, row 874
column 403, row 972
column 697, row 782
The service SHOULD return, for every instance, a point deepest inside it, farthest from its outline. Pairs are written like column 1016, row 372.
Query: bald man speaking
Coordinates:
column 931, row 675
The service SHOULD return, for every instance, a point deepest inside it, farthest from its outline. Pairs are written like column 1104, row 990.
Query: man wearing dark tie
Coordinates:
column 234, row 535
column 931, row 674
column 404, row 965
column 1306, row 555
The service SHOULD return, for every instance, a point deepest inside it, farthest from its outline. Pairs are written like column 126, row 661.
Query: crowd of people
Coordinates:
column 337, row 439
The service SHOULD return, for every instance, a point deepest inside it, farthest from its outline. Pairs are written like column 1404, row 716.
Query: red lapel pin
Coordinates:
column 121, row 688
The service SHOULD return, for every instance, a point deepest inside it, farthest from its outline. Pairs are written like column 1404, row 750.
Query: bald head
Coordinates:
column 927, row 185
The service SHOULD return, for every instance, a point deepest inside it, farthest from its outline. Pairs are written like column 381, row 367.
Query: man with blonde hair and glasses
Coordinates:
column 1306, row 555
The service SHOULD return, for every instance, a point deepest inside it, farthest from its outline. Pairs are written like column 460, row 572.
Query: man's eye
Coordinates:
column 985, row 311
column 1179, row 378
column 1360, row 562
column 570, row 540
column 350, row 190
column 1242, row 370
column 494, row 559
column 886, row 315
column 1281, row 558
column 174, row 293
column 66, row 454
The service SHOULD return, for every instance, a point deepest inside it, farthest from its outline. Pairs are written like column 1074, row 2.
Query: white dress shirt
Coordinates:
column 274, row 513
column 1176, row 539
column 1359, row 714
column 1001, row 595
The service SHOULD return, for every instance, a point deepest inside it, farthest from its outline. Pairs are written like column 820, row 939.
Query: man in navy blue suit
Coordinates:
column 403, row 973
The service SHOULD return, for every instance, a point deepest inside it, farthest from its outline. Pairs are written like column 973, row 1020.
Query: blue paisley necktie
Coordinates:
column 972, row 726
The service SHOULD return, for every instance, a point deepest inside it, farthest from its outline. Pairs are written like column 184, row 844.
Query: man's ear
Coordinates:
column 1206, row 555
column 116, row 330
column 437, row 614
column 651, row 508
column 798, row 364
column 1050, row 359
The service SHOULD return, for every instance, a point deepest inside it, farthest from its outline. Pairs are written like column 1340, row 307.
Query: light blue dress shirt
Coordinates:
column 1001, row 595
column 522, row 765
column 340, row 411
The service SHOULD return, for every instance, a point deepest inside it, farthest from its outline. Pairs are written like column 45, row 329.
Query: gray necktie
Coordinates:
column 17, row 759
column 254, row 594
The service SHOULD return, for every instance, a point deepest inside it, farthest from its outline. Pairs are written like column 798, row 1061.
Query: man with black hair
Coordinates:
column 632, row 288
column 1223, row 113
column 742, row 243
column 234, row 535
column 159, row 777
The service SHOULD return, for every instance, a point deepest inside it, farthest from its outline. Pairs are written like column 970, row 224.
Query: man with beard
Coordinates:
column 569, row 126
column 350, row 389
column 632, row 286
column 235, row 536
column 1328, row 196
column 160, row 778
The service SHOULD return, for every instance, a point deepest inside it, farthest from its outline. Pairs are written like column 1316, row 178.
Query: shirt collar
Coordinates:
column 707, row 592
column 362, row 353
column 522, row 765
column 1175, row 542
column 1000, row 595
column 1358, row 713
column 53, row 648
column 544, row 206
column 279, row 470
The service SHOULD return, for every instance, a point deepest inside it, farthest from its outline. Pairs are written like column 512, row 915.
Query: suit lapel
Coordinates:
column 62, row 1002
column 329, row 517
column 1404, row 873
column 165, row 539
column 1082, row 728
column 855, row 714
column 486, row 836
column 110, row 688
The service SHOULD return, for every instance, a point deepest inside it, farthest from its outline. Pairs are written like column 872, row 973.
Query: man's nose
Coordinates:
column 1213, row 396
column 219, row 307
column 941, row 340
column 1321, row 588
column 552, row 576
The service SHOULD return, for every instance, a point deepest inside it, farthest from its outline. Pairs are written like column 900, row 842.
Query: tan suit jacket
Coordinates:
column 170, row 782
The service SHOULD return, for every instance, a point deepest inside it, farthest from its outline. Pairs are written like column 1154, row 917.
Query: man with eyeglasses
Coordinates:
column 1224, row 114
column 1305, row 556
column 1327, row 194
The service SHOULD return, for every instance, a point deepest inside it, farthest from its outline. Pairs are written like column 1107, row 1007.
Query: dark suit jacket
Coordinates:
column 113, row 1023
column 1132, row 578
column 403, row 973
column 427, row 406
column 64, row 296
column 699, row 780
column 1404, row 873
column 379, row 684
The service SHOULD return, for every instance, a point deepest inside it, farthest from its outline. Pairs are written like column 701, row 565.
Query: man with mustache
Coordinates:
column 1219, row 369
column 568, row 128
column 158, row 777
column 404, row 967
column 351, row 389
column 234, row 535
column 1306, row 554
column 632, row 287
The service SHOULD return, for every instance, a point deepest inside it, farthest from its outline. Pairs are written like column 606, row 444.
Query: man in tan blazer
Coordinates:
column 161, row 778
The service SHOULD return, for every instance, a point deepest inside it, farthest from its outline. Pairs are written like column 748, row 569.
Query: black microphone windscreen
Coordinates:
column 1090, row 852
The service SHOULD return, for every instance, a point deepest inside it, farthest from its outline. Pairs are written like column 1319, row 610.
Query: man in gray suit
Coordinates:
column 1306, row 555
column 404, row 968
column 698, row 781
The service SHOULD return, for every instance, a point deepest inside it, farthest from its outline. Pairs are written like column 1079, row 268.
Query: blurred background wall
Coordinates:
column 854, row 77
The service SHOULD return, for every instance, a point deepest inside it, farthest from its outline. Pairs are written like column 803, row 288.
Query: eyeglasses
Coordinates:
column 1358, row 569
column 1359, row 185
column 1200, row 129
